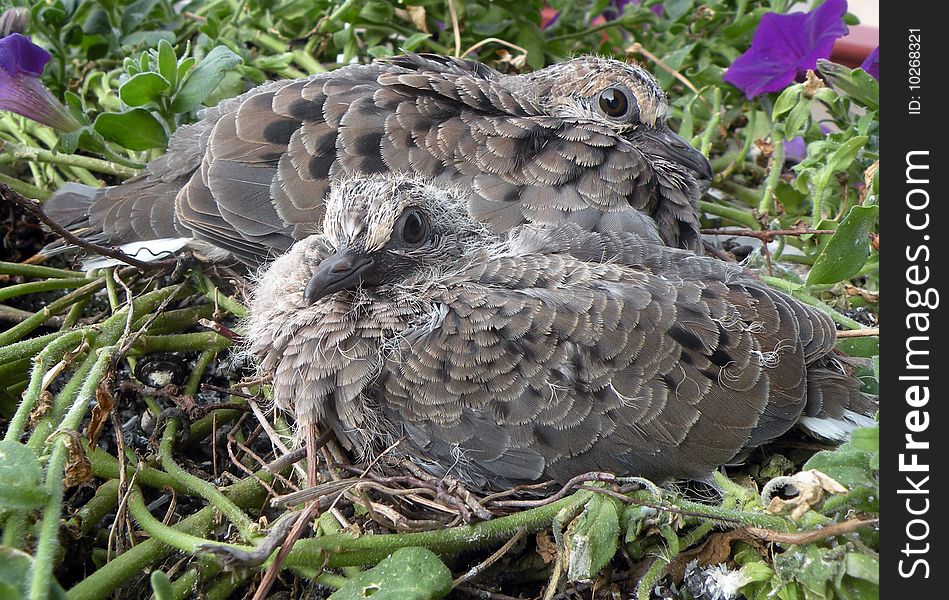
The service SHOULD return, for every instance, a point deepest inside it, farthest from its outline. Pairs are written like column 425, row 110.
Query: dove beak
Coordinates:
column 664, row 142
column 342, row 271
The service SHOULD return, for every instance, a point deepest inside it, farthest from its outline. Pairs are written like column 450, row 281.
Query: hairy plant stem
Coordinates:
column 209, row 492
column 47, row 543
column 24, row 270
column 43, row 363
column 55, row 307
column 26, row 153
column 35, row 287
column 733, row 214
column 775, row 167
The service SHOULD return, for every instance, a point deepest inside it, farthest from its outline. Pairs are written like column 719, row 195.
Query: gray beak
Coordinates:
column 664, row 142
column 342, row 271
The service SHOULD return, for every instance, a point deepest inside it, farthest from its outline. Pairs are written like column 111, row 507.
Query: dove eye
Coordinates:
column 615, row 103
column 414, row 227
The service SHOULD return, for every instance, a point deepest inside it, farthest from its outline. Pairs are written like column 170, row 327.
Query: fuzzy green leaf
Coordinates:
column 592, row 538
column 22, row 477
column 202, row 80
column 409, row 574
column 135, row 129
column 848, row 248
column 143, row 88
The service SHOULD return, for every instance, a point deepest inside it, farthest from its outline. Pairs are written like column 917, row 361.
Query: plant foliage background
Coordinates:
column 99, row 371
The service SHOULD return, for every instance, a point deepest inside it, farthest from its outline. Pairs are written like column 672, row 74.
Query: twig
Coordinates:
column 495, row 557
column 806, row 537
column 454, row 26
column 853, row 333
column 567, row 488
column 766, row 235
column 637, row 48
column 13, row 197
column 494, row 40
column 270, row 576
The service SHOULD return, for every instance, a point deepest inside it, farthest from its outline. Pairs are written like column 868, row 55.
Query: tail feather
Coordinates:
column 835, row 404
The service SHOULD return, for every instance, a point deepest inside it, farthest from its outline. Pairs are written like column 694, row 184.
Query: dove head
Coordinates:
column 619, row 96
column 384, row 230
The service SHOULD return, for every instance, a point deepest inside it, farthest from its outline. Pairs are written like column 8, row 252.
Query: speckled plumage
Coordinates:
column 250, row 178
column 545, row 352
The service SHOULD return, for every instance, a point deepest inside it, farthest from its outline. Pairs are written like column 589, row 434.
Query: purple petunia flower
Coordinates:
column 21, row 91
column 872, row 64
column 786, row 46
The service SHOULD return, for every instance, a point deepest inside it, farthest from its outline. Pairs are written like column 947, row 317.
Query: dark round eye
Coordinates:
column 614, row 102
column 414, row 227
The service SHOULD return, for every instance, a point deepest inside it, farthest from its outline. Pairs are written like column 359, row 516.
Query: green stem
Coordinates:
column 106, row 466
column 72, row 160
column 733, row 214
column 650, row 578
column 35, row 287
column 741, row 193
column 46, row 359
column 775, row 167
column 47, row 544
column 200, row 366
column 22, row 270
column 712, row 126
column 209, row 492
column 26, row 348
column 100, row 584
column 806, row 298
column 343, row 550
column 87, row 518
column 180, row 342
column 23, row 188
column 219, row 298
column 54, row 308
column 726, row 167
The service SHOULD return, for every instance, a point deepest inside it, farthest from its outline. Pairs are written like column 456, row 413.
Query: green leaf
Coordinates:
column 532, row 39
column 797, row 119
column 855, row 83
column 409, row 574
column 866, row 439
column 202, row 80
column 143, row 89
column 863, row 567
column 844, row 155
column 674, row 60
column 414, row 41
column 16, row 568
column 146, row 38
column 847, row 250
column 677, row 8
column 789, row 98
column 22, row 478
column 816, row 569
column 135, row 129
column 167, row 62
column 592, row 538
column 378, row 12
column 134, row 13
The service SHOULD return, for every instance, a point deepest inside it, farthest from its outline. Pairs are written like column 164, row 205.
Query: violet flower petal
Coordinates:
column 872, row 64
column 786, row 46
column 21, row 91
column 19, row 55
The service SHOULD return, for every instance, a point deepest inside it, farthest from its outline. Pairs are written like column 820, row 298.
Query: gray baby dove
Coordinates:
column 544, row 352
column 584, row 141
